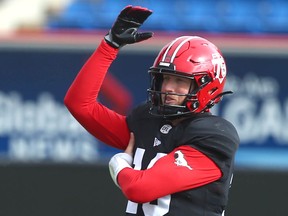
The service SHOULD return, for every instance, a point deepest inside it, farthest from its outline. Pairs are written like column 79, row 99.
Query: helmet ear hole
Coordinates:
column 204, row 79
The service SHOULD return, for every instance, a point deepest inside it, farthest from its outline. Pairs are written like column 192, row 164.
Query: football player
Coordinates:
column 178, row 158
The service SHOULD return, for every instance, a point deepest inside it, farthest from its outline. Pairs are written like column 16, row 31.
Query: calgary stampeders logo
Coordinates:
column 219, row 66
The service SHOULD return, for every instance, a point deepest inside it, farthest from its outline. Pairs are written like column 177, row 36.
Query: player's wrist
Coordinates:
column 117, row 163
column 109, row 40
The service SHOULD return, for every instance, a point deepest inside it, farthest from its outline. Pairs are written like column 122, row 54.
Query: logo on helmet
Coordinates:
column 219, row 66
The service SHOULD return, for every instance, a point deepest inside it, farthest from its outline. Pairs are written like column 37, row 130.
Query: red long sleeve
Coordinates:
column 81, row 100
column 166, row 177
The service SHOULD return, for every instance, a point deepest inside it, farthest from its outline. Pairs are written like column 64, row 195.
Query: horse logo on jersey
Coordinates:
column 180, row 160
column 165, row 129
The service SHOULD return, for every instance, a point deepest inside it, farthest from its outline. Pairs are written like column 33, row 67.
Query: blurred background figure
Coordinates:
column 28, row 14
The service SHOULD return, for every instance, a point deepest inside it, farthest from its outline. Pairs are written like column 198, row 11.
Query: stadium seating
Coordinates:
column 238, row 16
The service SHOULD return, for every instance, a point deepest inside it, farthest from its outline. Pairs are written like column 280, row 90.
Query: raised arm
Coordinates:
column 81, row 98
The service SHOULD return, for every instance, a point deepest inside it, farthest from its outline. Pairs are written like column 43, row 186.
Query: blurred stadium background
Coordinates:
column 49, row 165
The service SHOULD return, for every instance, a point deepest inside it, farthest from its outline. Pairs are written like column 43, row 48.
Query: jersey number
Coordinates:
column 163, row 203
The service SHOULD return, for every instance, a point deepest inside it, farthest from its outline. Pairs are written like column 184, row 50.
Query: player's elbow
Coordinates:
column 67, row 101
column 70, row 103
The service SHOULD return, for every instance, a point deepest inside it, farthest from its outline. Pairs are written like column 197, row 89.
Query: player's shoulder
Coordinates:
column 211, row 127
column 140, row 112
column 209, row 123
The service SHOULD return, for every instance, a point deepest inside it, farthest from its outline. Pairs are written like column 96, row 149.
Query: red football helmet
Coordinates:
column 195, row 58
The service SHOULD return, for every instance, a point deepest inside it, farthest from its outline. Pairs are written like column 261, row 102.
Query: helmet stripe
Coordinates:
column 171, row 44
column 179, row 47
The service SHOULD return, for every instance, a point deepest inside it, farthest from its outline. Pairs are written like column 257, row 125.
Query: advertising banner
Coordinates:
column 35, row 126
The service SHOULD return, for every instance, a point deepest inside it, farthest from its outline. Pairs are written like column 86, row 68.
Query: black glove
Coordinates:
column 125, row 29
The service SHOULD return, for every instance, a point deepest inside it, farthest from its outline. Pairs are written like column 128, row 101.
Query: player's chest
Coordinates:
column 154, row 142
